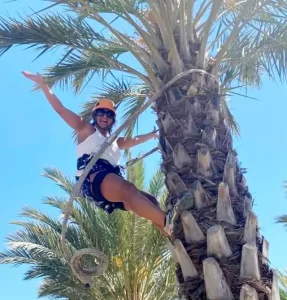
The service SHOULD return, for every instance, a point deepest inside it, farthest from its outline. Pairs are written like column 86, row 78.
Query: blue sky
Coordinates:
column 33, row 137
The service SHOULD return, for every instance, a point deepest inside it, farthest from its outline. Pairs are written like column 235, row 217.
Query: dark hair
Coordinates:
column 95, row 123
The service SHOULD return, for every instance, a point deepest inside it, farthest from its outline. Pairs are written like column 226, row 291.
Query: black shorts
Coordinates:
column 102, row 168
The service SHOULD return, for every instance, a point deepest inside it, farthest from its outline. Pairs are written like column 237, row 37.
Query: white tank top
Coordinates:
column 92, row 143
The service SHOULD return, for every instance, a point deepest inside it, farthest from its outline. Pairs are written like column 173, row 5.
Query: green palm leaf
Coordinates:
column 139, row 261
column 56, row 176
column 87, row 52
column 282, row 219
column 247, row 40
column 79, row 68
column 106, row 6
column 252, row 41
column 249, row 36
column 48, row 32
column 156, row 185
column 136, row 174
column 55, row 289
column 235, row 40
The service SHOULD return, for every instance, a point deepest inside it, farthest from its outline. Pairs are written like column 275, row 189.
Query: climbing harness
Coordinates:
column 86, row 275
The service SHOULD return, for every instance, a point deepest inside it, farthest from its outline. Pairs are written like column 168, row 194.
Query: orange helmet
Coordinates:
column 105, row 103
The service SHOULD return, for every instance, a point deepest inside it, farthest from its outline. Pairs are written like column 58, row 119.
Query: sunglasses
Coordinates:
column 101, row 112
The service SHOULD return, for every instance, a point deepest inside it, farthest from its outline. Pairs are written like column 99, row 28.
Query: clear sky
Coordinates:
column 33, row 137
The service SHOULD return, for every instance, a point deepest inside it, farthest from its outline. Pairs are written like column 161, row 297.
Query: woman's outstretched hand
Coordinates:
column 37, row 78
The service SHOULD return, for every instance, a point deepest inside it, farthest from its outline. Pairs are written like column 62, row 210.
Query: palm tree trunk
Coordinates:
column 217, row 247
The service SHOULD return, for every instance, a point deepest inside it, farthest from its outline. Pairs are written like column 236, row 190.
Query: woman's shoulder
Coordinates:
column 86, row 133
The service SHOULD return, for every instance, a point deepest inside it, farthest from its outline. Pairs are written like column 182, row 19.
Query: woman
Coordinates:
column 105, row 184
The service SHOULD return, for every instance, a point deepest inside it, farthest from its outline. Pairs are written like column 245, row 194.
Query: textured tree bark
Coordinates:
column 248, row 293
column 275, row 287
column 217, row 243
column 187, row 267
column 225, row 257
column 224, row 208
column 215, row 282
column 250, row 228
column 265, row 252
column 249, row 262
column 192, row 232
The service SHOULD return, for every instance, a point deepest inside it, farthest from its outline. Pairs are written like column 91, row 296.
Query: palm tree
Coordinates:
column 282, row 219
column 283, row 276
column 283, row 295
column 202, row 51
column 140, row 266
column 283, row 291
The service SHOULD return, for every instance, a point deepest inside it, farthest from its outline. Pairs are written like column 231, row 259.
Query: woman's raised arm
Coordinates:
column 72, row 119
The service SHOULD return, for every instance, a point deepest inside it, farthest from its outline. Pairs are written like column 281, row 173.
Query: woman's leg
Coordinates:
column 116, row 189
column 158, row 227
column 150, row 197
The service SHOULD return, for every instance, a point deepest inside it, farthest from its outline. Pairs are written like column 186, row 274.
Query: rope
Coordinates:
column 134, row 160
column 75, row 262
column 86, row 275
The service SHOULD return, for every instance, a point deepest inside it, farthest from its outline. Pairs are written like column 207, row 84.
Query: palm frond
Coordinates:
column 283, row 278
column 78, row 68
column 136, row 174
column 35, row 250
column 131, row 105
column 47, row 234
column 208, row 24
column 156, row 185
column 48, row 223
column 62, row 181
column 230, row 119
column 136, row 250
column 57, row 202
column 37, row 234
column 87, row 52
column 94, row 227
column 56, row 289
column 16, row 257
column 259, row 45
column 36, row 246
column 285, row 187
column 48, row 32
column 282, row 219
column 283, row 294
column 105, row 6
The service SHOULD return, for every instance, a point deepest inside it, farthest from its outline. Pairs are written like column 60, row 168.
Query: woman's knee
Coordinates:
column 116, row 189
column 150, row 197
column 129, row 191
